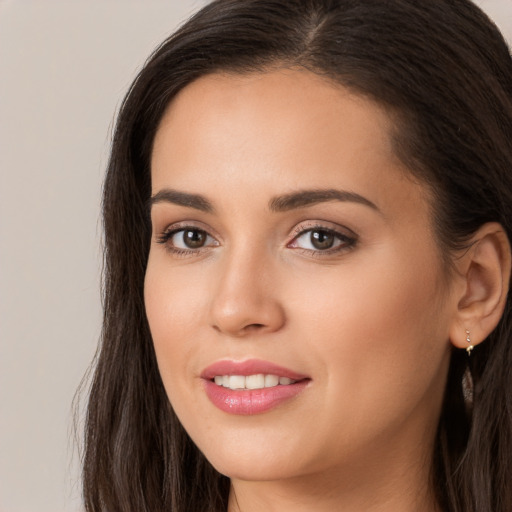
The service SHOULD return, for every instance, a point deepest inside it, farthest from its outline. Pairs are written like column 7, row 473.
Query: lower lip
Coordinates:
column 251, row 401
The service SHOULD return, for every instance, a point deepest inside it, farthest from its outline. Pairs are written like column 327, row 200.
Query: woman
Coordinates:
column 307, row 218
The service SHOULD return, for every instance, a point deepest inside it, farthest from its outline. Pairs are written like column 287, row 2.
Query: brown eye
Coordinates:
column 186, row 239
column 193, row 238
column 321, row 239
column 190, row 238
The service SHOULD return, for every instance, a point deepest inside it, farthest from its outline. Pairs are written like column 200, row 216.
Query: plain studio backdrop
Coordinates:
column 64, row 68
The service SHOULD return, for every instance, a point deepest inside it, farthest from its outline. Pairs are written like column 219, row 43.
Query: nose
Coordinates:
column 247, row 297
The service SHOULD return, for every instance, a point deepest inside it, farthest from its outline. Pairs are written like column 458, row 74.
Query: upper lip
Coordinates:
column 249, row 367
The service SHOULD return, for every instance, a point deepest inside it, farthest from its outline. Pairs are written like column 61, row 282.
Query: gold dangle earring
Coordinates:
column 467, row 379
column 470, row 347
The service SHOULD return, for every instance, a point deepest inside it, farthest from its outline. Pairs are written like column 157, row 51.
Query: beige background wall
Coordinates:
column 64, row 67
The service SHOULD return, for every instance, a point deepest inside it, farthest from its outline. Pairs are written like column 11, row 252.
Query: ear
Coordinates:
column 484, row 271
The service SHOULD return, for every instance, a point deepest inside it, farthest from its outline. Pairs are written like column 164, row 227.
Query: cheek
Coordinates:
column 373, row 297
column 380, row 333
column 172, row 304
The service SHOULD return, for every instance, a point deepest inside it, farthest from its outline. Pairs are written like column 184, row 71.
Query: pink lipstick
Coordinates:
column 252, row 386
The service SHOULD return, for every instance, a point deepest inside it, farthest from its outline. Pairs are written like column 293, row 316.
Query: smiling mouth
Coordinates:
column 257, row 381
column 252, row 386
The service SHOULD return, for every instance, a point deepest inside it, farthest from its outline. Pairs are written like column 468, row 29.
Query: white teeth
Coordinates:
column 271, row 381
column 257, row 381
column 236, row 382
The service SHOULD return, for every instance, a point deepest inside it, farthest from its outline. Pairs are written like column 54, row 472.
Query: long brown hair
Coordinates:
column 444, row 72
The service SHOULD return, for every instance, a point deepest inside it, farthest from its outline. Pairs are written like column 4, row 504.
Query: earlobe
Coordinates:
column 485, row 269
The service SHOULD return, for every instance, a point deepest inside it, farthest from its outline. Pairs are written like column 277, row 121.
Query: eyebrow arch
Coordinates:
column 196, row 201
column 304, row 198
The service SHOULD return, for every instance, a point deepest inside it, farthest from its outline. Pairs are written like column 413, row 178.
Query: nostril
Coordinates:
column 245, row 329
column 251, row 327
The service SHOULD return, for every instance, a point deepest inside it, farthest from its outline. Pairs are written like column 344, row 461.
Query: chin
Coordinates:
column 255, row 470
column 241, row 460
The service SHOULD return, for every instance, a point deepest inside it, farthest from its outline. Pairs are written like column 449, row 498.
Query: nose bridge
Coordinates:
column 246, row 298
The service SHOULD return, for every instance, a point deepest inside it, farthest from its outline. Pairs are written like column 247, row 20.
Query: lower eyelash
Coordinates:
column 181, row 252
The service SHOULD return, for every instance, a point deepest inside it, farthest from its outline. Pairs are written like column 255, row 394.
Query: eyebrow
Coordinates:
column 195, row 201
column 282, row 203
column 303, row 198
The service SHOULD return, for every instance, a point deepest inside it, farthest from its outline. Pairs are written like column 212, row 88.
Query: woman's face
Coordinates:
column 290, row 243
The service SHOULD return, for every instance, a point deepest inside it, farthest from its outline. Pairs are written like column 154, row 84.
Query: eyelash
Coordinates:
column 346, row 242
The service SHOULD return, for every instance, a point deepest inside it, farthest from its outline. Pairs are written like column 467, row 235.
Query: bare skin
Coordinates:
column 369, row 319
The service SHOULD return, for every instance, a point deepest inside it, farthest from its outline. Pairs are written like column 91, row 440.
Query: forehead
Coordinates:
column 292, row 104
column 275, row 131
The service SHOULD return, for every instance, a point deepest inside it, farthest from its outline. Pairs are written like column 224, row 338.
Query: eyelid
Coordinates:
column 190, row 224
column 308, row 225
